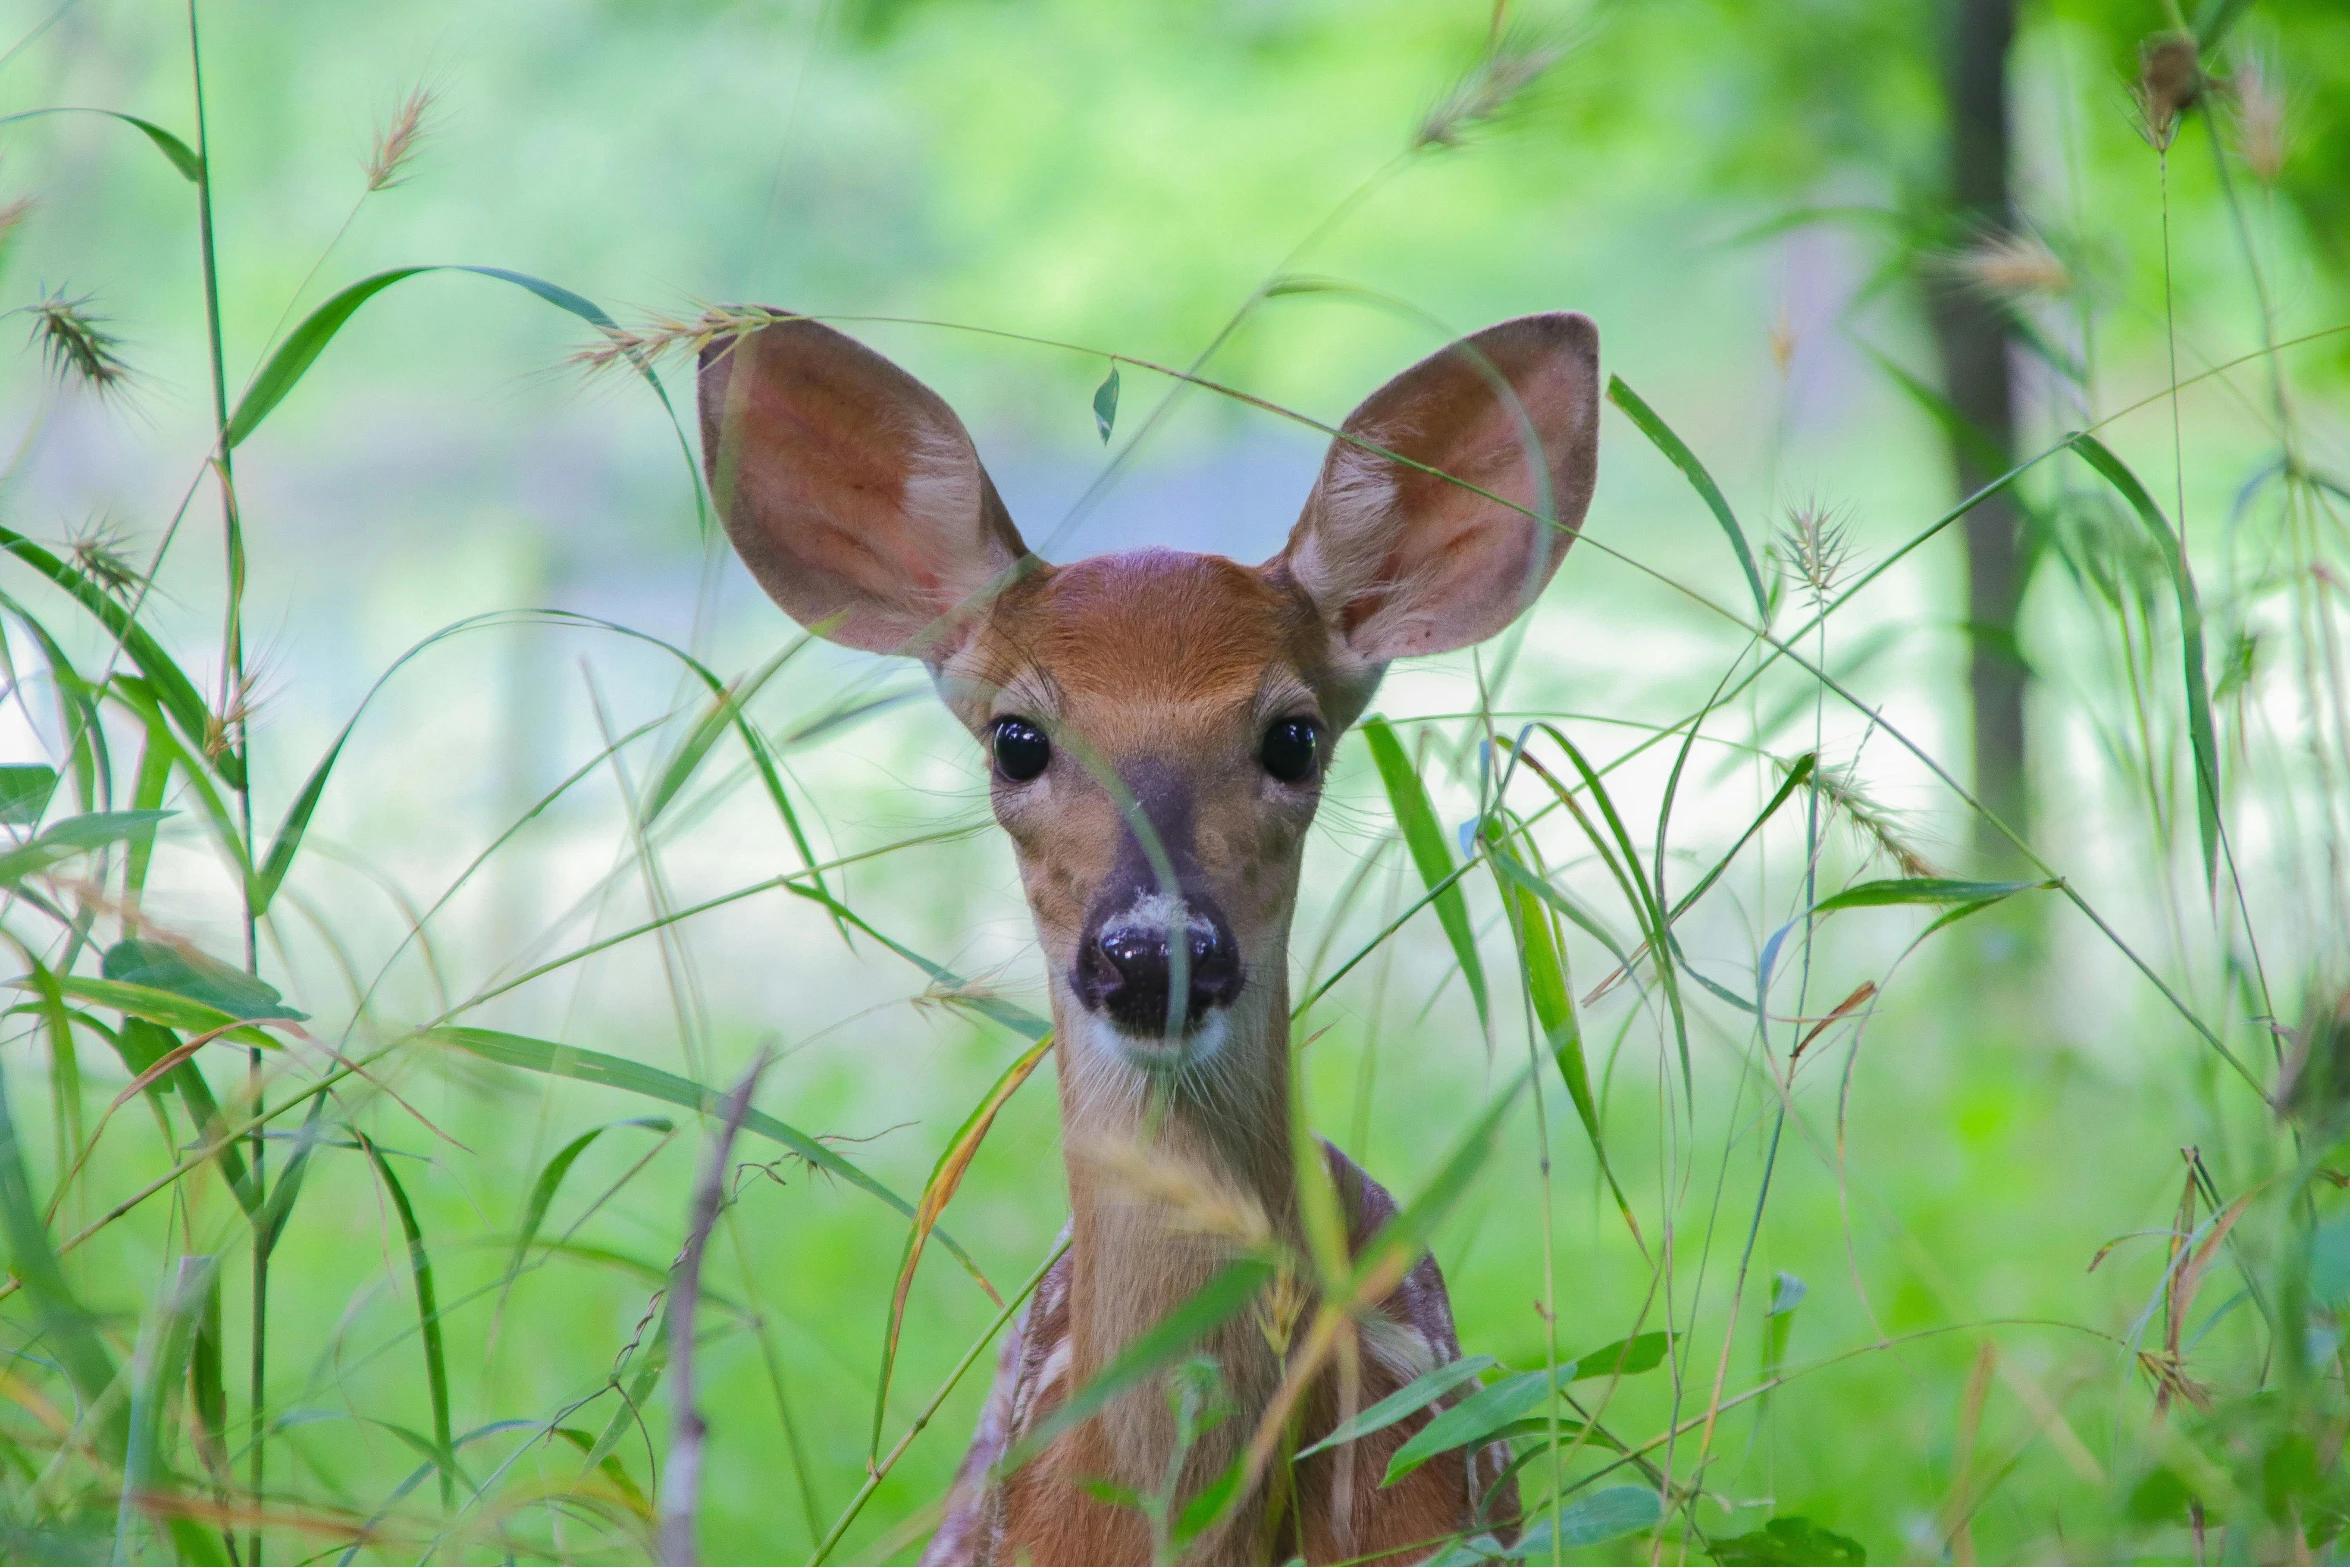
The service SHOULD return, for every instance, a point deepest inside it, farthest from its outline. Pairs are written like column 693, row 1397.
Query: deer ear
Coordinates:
column 850, row 489
column 1402, row 561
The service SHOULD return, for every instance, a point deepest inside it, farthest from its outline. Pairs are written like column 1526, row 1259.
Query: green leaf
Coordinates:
column 72, row 836
column 1218, row 1301
column 183, row 158
column 25, row 788
column 1626, row 1357
column 428, row 1318
column 1415, row 816
column 1480, row 1417
column 593, row 1066
column 1789, row 1542
column 542, row 1191
column 2200, row 735
column 1604, row 1515
column 1923, row 889
column 1105, row 404
column 1410, row 1399
column 155, row 1006
column 183, row 971
column 1680, row 456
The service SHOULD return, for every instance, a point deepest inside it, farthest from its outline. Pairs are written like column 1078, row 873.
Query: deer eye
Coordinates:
column 1288, row 751
column 1021, row 750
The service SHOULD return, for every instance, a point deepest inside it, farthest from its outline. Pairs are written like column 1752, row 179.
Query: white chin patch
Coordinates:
column 1154, row 1053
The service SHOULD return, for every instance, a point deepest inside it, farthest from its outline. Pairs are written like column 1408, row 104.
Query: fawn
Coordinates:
column 1158, row 725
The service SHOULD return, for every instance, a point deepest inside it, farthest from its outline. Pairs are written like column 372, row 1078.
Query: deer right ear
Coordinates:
column 850, row 489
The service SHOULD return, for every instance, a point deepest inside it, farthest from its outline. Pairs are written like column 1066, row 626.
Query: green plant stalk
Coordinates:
column 233, row 737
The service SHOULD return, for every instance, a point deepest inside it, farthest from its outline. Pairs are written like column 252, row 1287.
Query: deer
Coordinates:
column 1157, row 725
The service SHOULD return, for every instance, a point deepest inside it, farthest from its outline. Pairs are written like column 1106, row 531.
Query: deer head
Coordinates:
column 1158, row 722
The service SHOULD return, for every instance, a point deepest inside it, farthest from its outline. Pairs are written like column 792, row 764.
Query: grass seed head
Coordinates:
column 659, row 336
column 396, row 141
column 1489, row 90
column 1873, row 823
column 2170, row 82
column 2262, row 138
column 1817, row 541
column 1198, row 1202
column 76, row 345
column 99, row 553
column 2014, row 267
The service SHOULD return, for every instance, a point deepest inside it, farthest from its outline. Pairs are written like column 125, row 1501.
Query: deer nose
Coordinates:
column 1128, row 972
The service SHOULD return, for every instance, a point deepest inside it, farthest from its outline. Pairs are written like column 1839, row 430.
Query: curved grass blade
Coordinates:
column 160, row 1007
column 1680, row 456
column 945, row 1179
column 25, row 788
column 143, row 1046
column 725, row 713
column 1407, row 1400
column 1230, row 1292
column 1480, row 1417
column 593, row 1066
column 428, row 1318
column 2200, row 735
column 182, row 156
column 1415, row 816
column 542, row 1191
column 173, row 690
column 71, row 1330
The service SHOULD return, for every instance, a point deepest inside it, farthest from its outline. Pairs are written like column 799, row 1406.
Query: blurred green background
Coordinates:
column 1749, row 199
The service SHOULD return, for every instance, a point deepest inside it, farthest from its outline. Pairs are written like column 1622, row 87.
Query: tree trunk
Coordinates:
column 1971, row 329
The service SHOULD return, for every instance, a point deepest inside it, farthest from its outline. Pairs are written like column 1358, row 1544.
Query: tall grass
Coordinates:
column 1693, row 1061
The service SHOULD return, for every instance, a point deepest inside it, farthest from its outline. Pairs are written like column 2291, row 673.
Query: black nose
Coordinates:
column 1127, row 972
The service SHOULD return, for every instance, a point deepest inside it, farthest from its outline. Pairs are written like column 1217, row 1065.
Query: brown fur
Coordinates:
column 857, row 499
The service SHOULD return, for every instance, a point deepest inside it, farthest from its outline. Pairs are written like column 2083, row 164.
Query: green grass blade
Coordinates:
column 428, row 1318
column 182, row 156
column 1924, row 889
column 1406, row 1401
column 71, row 1330
column 300, row 350
column 1603, row 1515
column 1217, row 1302
column 1680, row 456
column 142, row 1044
column 1480, row 1417
column 25, row 788
column 633, row 1077
column 76, row 835
column 1415, row 816
column 2200, row 734
column 173, row 690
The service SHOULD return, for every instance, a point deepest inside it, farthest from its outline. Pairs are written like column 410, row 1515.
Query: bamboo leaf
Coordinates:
column 73, row 836
column 593, row 1066
column 945, row 1179
column 2201, row 736
column 1626, row 1357
column 1480, row 1417
column 155, row 1006
column 1680, row 456
column 1415, row 817
column 181, row 970
column 428, row 1318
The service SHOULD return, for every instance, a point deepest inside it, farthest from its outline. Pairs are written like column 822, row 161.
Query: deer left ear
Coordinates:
column 1403, row 560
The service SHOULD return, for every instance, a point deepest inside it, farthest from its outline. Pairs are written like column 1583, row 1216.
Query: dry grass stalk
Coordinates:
column 396, row 142
column 1198, row 1203
column 2014, row 267
column 76, row 345
column 1875, row 825
column 2262, row 138
column 662, row 335
column 2170, row 82
column 1490, row 88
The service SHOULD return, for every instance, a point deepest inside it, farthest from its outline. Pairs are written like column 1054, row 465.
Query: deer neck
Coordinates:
column 1171, row 1177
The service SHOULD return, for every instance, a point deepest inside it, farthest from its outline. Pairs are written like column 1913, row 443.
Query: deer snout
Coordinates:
column 1127, row 969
